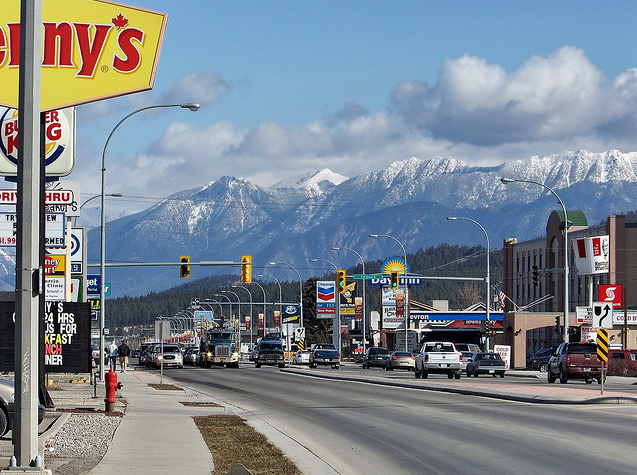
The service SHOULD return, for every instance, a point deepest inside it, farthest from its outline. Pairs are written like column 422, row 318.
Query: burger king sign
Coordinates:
column 91, row 50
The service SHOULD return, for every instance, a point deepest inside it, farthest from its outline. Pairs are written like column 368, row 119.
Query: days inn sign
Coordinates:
column 91, row 50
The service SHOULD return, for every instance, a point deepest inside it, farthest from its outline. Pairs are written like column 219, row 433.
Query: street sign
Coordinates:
column 602, row 344
column 367, row 276
column 602, row 315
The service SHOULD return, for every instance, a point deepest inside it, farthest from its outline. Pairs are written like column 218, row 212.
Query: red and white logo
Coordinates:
column 611, row 294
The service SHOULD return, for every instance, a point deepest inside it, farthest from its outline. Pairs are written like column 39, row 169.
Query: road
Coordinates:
column 360, row 428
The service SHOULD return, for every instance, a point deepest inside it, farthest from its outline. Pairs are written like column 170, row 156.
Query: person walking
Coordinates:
column 112, row 355
column 122, row 353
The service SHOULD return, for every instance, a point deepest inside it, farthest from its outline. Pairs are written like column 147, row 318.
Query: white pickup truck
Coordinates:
column 438, row 357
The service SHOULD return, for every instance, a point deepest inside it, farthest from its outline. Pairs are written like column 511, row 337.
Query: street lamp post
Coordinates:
column 229, row 304
column 337, row 323
column 566, row 224
column 300, row 284
column 191, row 106
column 487, row 280
column 280, row 293
column 250, row 295
column 238, row 304
column 265, row 315
column 363, row 292
column 406, row 298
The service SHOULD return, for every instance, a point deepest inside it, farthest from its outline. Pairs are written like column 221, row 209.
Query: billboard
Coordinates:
column 91, row 50
column 67, row 337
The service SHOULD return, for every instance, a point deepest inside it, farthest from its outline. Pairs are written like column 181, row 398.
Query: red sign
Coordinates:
column 261, row 322
column 610, row 293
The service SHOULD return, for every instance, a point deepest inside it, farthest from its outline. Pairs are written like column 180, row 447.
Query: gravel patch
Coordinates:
column 82, row 436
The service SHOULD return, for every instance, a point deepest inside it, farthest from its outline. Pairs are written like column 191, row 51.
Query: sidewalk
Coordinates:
column 158, row 434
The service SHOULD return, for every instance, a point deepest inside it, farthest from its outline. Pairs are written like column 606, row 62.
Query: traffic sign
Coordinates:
column 602, row 344
column 367, row 276
column 602, row 315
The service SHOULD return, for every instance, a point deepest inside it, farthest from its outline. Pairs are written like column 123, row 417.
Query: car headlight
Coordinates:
column 159, row 357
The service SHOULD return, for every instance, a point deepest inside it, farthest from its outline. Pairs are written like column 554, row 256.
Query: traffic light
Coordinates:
column 246, row 269
column 340, row 281
column 393, row 279
column 184, row 269
column 536, row 275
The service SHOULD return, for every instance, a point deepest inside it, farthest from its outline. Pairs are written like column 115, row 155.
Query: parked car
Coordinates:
column 628, row 357
column 540, row 359
column 375, row 356
column 466, row 356
column 575, row 361
column 400, row 360
column 169, row 355
column 7, row 394
column 301, row 357
column 486, row 363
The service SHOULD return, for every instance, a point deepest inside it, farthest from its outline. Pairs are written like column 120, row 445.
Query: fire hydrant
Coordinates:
column 111, row 386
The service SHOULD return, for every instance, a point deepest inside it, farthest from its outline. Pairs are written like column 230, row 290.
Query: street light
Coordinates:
column 265, row 315
column 238, row 303
column 406, row 290
column 488, row 279
column 191, row 106
column 247, row 290
column 337, row 323
column 300, row 284
column 363, row 287
column 566, row 224
column 280, row 294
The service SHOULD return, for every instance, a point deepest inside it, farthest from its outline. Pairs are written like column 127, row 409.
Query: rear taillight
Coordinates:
column 412, row 357
column 461, row 358
column 338, row 355
column 568, row 360
column 426, row 358
column 477, row 363
column 395, row 358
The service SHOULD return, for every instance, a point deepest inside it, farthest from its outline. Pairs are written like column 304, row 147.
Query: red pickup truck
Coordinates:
column 575, row 361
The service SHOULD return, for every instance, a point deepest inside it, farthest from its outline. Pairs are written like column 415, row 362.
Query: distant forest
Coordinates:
column 125, row 315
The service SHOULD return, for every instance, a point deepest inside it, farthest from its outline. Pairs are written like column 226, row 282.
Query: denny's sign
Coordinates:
column 91, row 50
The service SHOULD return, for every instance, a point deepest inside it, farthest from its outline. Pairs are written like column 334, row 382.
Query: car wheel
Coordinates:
column 494, row 375
column 502, row 374
column 257, row 365
column 563, row 379
column 281, row 365
column 589, row 381
column 549, row 376
column 543, row 368
column 458, row 374
column 450, row 375
column 4, row 422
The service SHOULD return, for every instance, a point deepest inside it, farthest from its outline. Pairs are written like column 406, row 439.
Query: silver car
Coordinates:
column 7, row 394
column 169, row 355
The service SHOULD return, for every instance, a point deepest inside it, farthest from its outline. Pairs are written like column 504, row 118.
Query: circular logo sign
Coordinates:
column 57, row 131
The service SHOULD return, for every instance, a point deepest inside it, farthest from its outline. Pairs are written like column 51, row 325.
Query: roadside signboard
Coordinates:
column 325, row 299
column 92, row 49
column 367, row 276
column 602, row 344
column 59, row 132
column 610, row 293
column 54, row 229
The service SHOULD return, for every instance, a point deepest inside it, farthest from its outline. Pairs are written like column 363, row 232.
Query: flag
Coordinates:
column 501, row 298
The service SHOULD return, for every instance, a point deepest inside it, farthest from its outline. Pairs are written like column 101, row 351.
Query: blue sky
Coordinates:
column 292, row 86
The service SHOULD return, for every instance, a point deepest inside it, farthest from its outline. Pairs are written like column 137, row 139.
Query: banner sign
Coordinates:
column 325, row 299
column 67, row 337
column 592, row 255
column 91, row 50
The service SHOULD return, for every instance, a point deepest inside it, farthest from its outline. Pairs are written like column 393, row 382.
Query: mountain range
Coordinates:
column 303, row 217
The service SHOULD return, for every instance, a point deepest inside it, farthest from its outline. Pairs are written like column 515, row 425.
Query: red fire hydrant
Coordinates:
column 111, row 386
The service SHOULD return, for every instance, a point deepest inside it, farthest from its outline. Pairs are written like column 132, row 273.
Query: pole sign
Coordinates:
column 67, row 337
column 325, row 299
column 602, row 315
column 59, row 132
column 610, row 293
column 92, row 50
column 54, row 229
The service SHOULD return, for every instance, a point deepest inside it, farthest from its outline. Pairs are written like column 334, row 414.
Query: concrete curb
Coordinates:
column 537, row 399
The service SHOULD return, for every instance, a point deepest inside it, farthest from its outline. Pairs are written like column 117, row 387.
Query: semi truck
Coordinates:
column 219, row 347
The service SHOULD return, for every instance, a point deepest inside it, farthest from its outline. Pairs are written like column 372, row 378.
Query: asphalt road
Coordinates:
column 360, row 428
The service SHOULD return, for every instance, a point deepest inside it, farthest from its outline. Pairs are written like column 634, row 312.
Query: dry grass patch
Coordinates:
column 199, row 404
column 166, row 387
column 232, row 441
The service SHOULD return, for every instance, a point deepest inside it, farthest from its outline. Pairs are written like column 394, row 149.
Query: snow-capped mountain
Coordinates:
column 304, row 216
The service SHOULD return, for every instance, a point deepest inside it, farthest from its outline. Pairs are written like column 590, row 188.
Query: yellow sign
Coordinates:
column 54, row 264
column 92, row 49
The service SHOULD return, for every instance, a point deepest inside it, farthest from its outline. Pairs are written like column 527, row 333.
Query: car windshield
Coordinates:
column 401, row 353
column 489, row 356
column 438, row 347
column 270, row 346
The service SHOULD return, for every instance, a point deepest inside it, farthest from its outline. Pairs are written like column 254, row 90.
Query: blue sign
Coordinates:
column 93, row 284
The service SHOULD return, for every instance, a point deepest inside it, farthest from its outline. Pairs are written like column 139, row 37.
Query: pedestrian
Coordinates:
column 122, row 352
column 112, row 355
